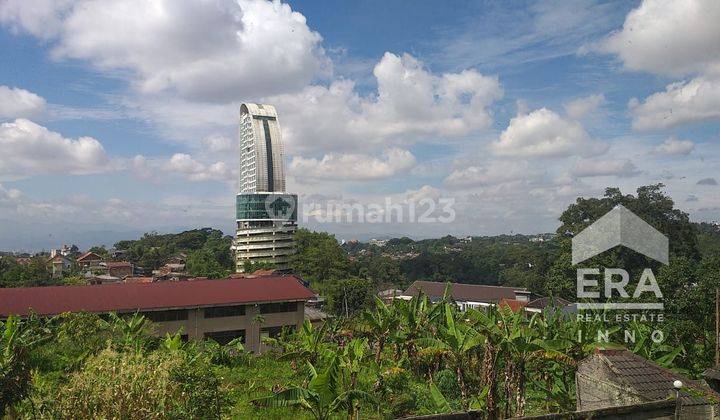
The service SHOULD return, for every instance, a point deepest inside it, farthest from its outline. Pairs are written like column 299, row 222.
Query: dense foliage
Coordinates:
column 411, row 357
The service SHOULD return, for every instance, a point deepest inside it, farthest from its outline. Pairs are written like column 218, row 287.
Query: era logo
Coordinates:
column 615, row 279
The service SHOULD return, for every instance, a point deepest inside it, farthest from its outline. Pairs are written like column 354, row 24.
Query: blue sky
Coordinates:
column 120, row 117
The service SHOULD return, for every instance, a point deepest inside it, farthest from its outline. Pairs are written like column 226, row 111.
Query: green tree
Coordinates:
column 349, row 296
column 203, row 263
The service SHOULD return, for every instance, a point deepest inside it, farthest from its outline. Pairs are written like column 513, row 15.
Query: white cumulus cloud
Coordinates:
column 495, row 173
column 670, row 37
column 205, row 50
column 544, row 133
column 29, row 149
column 411, row 102
column 580, row 107
column 355, row 167
column 674, row 146
column 19, row 103
column 197, row 171
column 680, row 103
column 615, row 167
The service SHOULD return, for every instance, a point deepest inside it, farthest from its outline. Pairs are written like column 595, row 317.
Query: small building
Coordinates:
column 59, row 264
column 221, row 310
column 388, row 295
column 549, row 302
column 119, row 269
column 611, row 378
column 467, row 296
column 316, row 316
column 89, row 259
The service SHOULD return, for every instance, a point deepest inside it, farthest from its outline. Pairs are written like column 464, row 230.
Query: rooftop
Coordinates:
column 130, row 297
column 647, row 379
column 117, row 264
column 465, row 292
column 514, row 305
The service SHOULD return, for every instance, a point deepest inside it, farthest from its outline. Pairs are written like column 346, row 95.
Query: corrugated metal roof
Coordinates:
column 464, row 292
column 514, row 305
column 125, row 297
column 544, row 302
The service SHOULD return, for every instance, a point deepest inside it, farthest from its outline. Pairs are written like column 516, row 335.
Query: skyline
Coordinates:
column 512, row 111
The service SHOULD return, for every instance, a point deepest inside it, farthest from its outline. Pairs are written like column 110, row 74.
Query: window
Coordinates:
column 272, row 308
column 274, row 332
column 224, row 311
column 224, row 337
column 165, row 316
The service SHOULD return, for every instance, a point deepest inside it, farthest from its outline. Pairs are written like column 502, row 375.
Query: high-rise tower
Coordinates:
column 266, row 216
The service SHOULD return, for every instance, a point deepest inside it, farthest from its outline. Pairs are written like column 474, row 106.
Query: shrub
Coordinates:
column 138, row 386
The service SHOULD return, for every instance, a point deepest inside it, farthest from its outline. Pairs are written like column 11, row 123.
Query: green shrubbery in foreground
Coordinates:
column 411, row 357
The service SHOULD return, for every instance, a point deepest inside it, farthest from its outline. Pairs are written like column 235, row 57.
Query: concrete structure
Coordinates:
column 611, row 378
column 59, row 264
column 467, row 296
column 119, row 269
column 222, row 310
column 266, row 216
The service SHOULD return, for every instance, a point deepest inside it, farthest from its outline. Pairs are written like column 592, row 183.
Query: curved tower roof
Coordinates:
column 262, row 159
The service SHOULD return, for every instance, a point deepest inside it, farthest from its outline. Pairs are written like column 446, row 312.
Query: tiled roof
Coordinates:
column 127, row 297
column 87, row 255
column 315, row 314
column 648, row 379
column 117, row 264
column 464, row 292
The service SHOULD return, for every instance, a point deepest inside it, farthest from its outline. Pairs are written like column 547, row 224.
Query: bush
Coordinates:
column 137, row 386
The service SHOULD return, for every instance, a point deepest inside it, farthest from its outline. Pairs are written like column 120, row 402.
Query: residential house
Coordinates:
column 119, row 269
column 611, row 378
column 89, row 259
column 171, row 271
column 222, row 310
column 60, row 264
column 467, row 296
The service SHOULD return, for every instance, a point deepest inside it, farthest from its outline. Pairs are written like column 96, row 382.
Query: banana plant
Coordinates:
column 458, row 340
column 17, row 337
column 322, row 394
column 309, row 344
column 379, row 324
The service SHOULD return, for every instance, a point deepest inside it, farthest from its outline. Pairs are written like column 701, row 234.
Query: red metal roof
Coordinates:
column 514, row 305
column 126, row 297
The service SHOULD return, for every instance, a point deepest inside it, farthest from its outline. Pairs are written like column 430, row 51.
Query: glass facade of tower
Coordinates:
column 266, row 206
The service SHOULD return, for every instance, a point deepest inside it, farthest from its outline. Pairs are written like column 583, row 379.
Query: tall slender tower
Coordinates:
column 266, row 215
